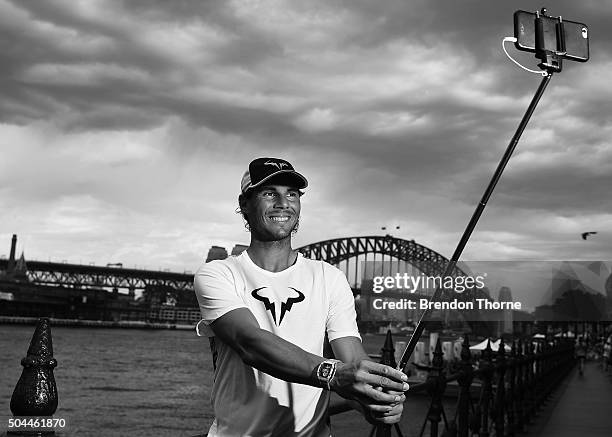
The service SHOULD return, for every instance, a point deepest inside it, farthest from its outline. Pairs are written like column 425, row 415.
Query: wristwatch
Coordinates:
column 326, row 372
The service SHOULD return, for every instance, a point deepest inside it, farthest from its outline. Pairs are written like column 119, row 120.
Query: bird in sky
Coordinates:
column 586, row 234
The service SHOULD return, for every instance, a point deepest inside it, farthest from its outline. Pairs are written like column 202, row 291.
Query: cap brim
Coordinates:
column 290, row 178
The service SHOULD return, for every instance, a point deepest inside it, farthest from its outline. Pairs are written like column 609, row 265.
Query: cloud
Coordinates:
column 146, row 114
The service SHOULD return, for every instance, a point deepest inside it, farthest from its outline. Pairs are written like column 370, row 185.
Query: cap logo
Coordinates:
column 278, row 165
column 261, row 170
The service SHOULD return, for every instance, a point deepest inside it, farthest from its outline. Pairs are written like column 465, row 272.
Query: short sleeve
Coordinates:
column 216, row 291
column 341, row 316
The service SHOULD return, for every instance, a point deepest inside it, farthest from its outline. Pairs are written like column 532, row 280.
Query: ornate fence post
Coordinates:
column 520, row 387
column 552, row 358
column 486, row 364
column 569, row 354
column 500, row 397
column 548, row 368
column 436, row 385
column 511, row 397
column 539, row 376
column 547, row 352
column 387, row 353
column 36, row 393
column 530, row 381
column 387, row 357
column 465, row 381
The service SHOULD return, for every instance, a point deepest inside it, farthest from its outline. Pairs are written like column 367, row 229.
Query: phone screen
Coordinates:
column 576, row 35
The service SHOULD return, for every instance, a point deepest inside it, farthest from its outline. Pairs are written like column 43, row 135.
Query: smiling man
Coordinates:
column 267, row 312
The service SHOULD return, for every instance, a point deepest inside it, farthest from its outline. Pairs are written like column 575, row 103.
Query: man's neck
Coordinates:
column 274, row 256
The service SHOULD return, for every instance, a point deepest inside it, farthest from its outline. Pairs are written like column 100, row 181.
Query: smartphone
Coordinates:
column 576, row 35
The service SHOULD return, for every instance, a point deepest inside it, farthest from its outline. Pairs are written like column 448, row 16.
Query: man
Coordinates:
column 269, row 309
column 581, row 352
column 607, row 353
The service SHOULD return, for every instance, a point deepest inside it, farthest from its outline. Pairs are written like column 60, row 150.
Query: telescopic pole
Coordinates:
column 385, row 430
column 418, row 331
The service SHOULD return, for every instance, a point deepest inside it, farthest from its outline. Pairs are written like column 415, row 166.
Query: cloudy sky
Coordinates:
column 125, row 126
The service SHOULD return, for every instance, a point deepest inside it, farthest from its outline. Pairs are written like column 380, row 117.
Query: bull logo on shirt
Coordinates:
column 271, row 301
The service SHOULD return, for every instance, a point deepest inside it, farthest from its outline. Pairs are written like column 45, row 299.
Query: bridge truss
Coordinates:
column 378, row 255
column 79, row 276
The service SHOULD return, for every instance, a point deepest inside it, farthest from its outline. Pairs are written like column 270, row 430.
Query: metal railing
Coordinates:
column 511, row 386
column 498, row 393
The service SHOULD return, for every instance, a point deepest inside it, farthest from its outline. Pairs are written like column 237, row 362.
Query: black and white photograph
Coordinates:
column 305, row 218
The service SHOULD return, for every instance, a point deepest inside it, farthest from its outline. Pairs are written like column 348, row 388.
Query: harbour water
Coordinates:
column 136, row 383
column 119, row 382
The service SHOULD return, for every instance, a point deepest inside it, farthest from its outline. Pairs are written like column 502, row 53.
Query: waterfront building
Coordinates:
column 238, row 249
column 507, row 319
column 216, row 252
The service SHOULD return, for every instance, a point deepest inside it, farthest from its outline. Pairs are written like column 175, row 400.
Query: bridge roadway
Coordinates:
column 581, row 406
column 80, row 275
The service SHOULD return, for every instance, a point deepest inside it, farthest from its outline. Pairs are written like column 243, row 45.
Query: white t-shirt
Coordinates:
column 298, row 304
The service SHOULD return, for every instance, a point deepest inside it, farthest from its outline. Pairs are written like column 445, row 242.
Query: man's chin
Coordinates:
column 283, row 234
column 283, row 231
column 275, row 236
column 276, row 233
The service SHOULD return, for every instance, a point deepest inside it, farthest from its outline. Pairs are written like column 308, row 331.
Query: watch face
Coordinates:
column 325, row 370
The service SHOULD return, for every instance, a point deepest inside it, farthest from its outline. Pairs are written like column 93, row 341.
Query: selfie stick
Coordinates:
column 475, row 217
column 549, row 66
column 385, row 430
column 551, row 62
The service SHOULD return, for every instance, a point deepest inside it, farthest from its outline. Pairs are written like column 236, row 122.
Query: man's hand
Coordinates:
column 380, row 414
column 379, row 389
column 389, row 415
column 376, row 390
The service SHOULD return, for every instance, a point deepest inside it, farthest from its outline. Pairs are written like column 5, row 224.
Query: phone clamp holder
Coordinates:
column 552, row 60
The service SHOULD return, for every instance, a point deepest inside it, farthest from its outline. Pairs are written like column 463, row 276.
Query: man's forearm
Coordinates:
column 277, row 357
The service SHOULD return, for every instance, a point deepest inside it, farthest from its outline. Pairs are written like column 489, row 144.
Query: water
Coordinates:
column 132, row 382
column 119, row 382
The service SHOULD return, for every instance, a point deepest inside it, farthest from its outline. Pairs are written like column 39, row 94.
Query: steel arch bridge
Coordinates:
column 346, row 253
column 341, row 250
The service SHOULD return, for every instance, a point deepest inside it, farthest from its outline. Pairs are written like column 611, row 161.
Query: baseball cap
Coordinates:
column 263, row 169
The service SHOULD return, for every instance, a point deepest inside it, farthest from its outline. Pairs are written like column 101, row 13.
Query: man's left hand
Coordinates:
column 387, row 414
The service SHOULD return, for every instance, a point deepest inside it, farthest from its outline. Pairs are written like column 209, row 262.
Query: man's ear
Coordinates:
column 242, row 203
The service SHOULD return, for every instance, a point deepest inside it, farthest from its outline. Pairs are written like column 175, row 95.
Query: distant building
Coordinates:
column 608, row 287
column 545, row 313
column 21, row 267
column 216, row 252
column 505, row 295
column 11, row 263
column 15, row 268
column 239, row 248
